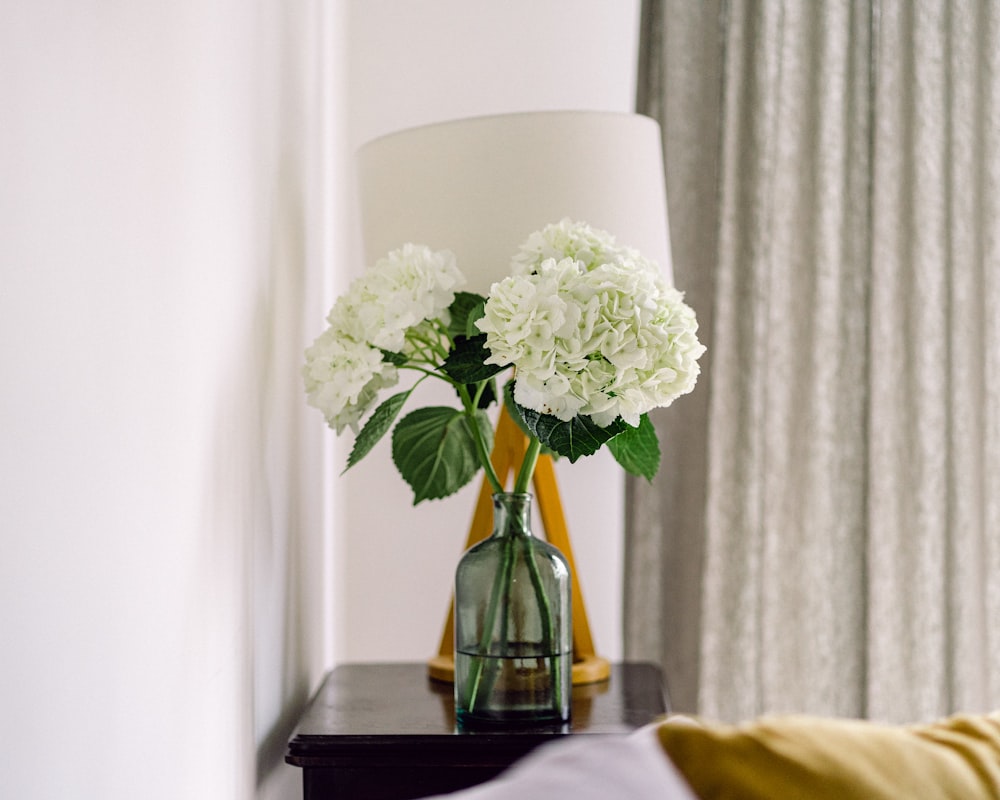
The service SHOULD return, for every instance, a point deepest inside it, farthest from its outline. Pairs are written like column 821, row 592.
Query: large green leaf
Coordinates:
column 376, row 427
column 580, row 436
column 435, row 451
column 638, row 449
column 465, row 309
column 514, row 410
column 466, row 363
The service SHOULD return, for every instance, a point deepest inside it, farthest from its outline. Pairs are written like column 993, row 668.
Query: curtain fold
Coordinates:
column 826, row 541
column 663, row 562
column 934, row 462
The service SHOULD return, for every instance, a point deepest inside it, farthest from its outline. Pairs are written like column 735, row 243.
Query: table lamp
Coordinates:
column 479, row 187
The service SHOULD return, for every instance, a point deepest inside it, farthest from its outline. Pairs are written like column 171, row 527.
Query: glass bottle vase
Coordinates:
column 513, row 627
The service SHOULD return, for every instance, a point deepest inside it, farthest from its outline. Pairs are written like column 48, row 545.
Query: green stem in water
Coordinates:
column 548, row 624
column 501, row 586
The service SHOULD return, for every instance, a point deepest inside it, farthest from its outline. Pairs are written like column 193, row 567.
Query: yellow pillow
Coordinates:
column 784, row 758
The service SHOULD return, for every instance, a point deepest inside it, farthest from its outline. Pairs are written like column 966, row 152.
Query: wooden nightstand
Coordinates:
column 387, row 731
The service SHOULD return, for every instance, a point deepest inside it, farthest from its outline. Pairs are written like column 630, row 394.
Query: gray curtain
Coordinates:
column 824, row 536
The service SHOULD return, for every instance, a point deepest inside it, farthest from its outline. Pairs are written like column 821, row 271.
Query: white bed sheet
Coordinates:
column 630, row 767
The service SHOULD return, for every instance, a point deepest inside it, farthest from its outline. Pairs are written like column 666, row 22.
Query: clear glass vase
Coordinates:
column 513, row 627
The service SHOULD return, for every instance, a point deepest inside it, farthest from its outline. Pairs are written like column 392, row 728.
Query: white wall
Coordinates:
column 173, row 200
column 415, row 63
column 161, row 572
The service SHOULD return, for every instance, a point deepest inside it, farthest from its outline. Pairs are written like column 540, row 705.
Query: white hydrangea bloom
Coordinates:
column 567, row 239
column 531, row 311
column 345, row 369
column 407, row 287
column 600, row 339
column 343, row 378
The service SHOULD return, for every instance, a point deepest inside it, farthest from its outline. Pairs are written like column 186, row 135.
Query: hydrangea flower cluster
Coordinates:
column 591, row 328
column 596, row 337
column 398, row 306
column 567, row 239
column 343, row 378
column 407, row 287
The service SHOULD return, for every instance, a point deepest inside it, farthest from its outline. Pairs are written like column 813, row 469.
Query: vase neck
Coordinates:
column 512, row 514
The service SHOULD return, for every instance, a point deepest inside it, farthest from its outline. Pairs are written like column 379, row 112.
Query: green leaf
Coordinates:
column 397, row 359
column 434, row 450
column 580, row 436
column 465, row 309
column 475, row 315
column 638, row 449
column 466, row 361
column 514, row 410
column 376, row 427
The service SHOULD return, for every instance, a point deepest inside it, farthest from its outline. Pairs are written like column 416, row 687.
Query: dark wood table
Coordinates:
column 387, row 731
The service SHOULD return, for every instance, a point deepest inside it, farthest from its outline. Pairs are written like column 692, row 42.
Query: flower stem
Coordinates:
column 501, row 586
column 477, row 437
column 548, row 623
column 527, row 466
column 425, row 372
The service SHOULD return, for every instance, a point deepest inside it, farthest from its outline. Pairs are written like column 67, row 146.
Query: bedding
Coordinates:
column 822, row 759
column 586, row 767
column 771, row 758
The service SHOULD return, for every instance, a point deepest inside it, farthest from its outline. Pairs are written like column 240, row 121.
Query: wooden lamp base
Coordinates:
column 509, row 447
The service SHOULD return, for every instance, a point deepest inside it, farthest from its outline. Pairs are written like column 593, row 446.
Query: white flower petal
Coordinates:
column 591, row 327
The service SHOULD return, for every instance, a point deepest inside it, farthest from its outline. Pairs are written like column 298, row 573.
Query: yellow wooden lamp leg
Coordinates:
column 509, row 447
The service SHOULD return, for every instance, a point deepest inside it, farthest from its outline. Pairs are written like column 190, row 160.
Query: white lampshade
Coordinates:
column 480, row 186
